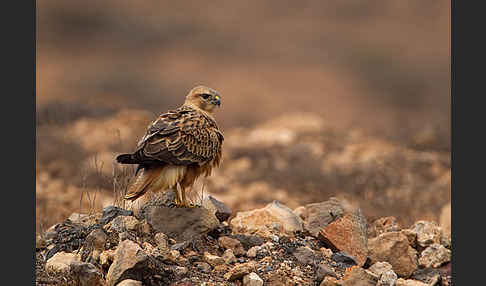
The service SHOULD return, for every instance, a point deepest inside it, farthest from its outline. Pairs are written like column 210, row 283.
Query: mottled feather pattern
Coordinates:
column 181, row 137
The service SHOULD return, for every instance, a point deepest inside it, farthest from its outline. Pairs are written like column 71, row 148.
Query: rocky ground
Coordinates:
column 324, row 243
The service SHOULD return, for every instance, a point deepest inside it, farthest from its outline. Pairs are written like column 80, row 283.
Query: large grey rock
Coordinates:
column 129, row 262
column 180, row 223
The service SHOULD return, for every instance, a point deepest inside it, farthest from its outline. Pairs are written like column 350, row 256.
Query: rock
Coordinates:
column 387, row 278
column 129, row 282
column 431, row 276
column 380, row 267
column 106, row 257
column 434, row 256
column 348, row 234
column 82, row 219
column 180, row 270
column 161, row 241
column 87, row 274
column 357, row 276
column 301, row 212
column 61, row 261
column 427, row 233
column 393, row 247
column 326, row 252
column 344, row 259
column 409, row 282
column 96, row 239
column 321, row 214
column 214, row 260
column 227, row 242
column 219, row 209
column 324, row 270
column 124, row 223
column 329, row 281
column 129, row 262
column 238, row 271
column 111, row 212
column 382, row 225
column 202, row 266
column 229, row 256
column 411, row 236
column 275, row 217
column 304, row 255
column 249, row 241
column 252, row 252
column 181, row 223
column 252, row 279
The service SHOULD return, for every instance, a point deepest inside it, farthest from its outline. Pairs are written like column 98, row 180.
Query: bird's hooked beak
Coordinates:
column 217, row 100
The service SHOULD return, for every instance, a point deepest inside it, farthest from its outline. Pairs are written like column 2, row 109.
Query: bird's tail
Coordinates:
column 143, row 182
column 126, row 159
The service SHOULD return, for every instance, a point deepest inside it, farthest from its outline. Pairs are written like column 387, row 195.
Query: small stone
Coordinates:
column 274, row 238
column 202, row 266
column 106, row 257
column 87, row 274
column 304, row 255
column 110, row 212
column 128, row 262
column 380, row 267
column 393, row 247
column 219, row 209
column 229, row 257
column 329, row 281
column 61, row 261
column 252, row 279
column 427, row 233
column 97, row 239
column 411, row 236
column 252, row 252
column 388, row 278
column 227, row 242
column 161, row 240
column 238, row 271
column 434, row 256
column 382, row 225
column 321, row 214
column 326, row 252
column 129, row 282
column 324, row 270
column 357, row 276
column 124, row 223
column 348, row 234
column 409, row 282
column 263, row 221
column 214, row 260
column 180, row 270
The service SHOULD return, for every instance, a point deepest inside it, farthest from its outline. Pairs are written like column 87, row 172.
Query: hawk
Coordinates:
column 177, row 148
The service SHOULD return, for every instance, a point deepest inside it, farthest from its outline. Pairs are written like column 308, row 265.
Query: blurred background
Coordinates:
column 319, row 98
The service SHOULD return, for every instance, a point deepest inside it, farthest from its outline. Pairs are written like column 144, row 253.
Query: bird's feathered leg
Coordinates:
column 179, row 202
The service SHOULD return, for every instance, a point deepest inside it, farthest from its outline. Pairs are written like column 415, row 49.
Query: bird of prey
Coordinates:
column 177, row 148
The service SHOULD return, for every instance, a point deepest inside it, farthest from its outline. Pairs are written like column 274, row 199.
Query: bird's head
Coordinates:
column 204, row 98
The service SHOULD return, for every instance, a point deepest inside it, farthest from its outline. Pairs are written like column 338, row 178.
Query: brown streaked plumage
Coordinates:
column 178, row 147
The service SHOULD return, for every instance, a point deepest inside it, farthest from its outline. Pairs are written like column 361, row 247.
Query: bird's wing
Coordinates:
column 181, row 137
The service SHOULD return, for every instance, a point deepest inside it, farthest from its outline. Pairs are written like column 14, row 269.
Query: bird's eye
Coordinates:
column 205, row 95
